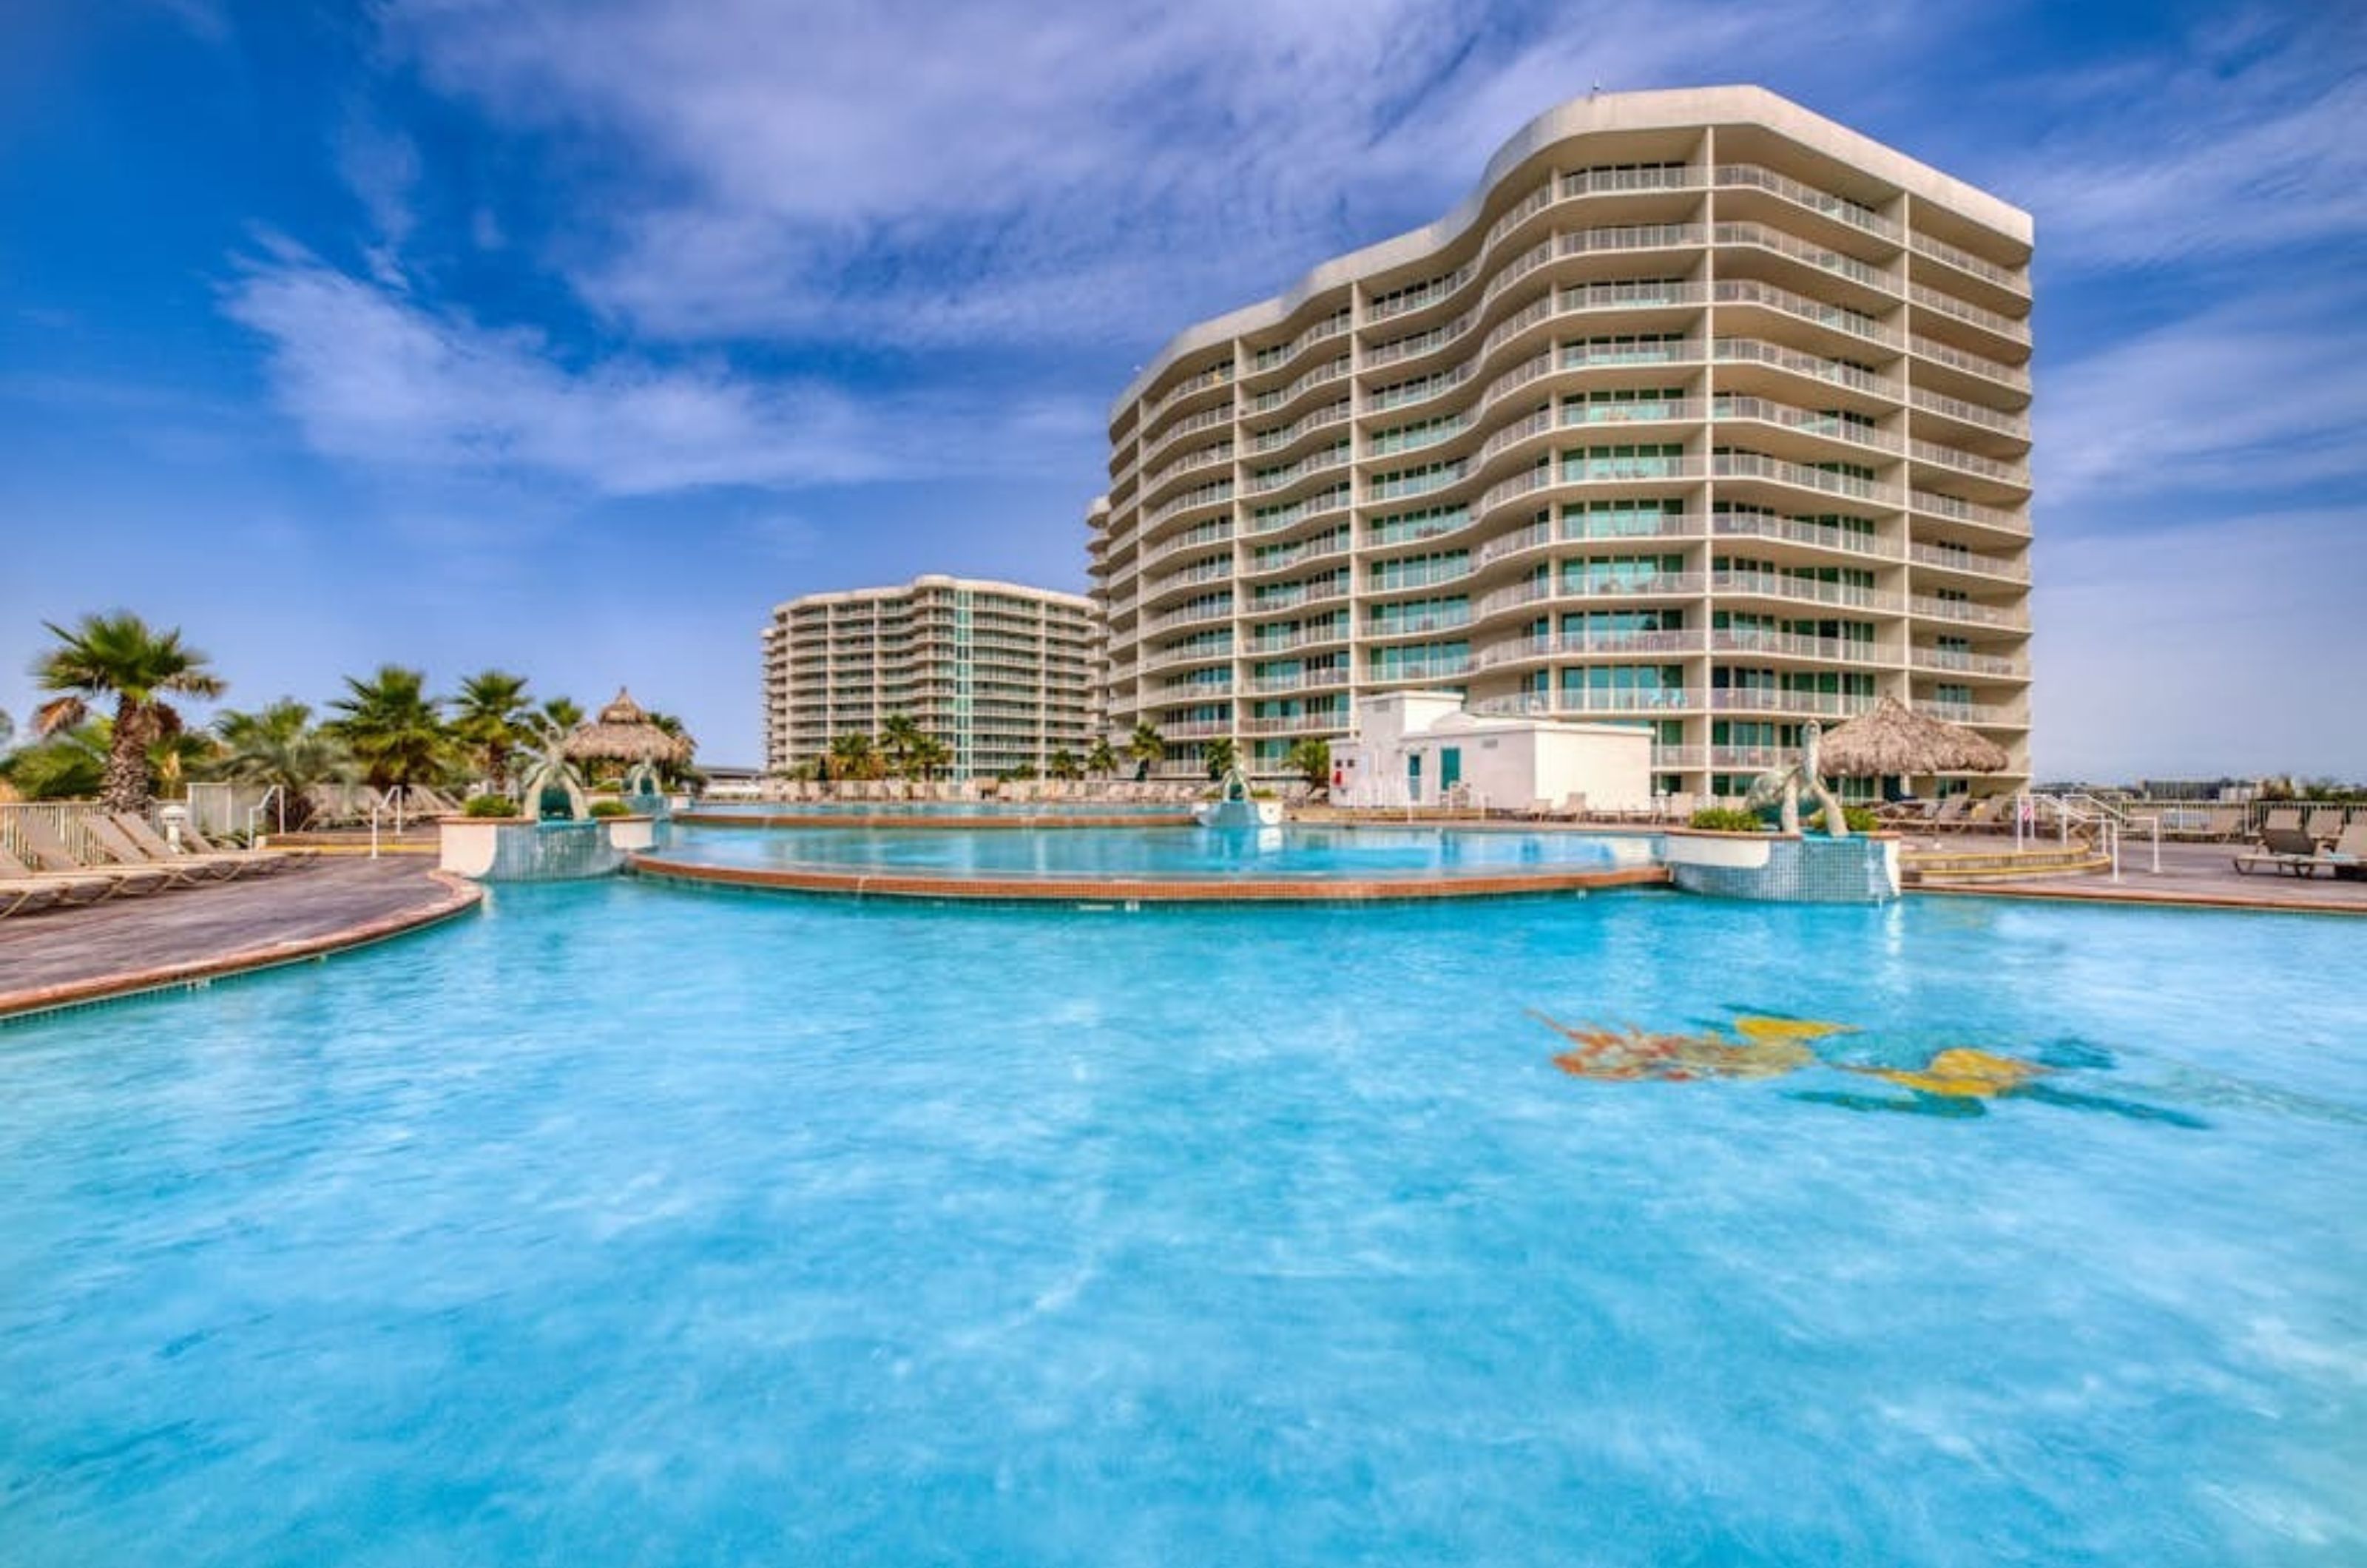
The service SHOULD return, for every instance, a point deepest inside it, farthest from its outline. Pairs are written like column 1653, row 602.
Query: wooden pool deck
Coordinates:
column 63, row 957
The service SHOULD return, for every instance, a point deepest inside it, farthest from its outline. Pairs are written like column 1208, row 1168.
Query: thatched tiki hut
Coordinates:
column 626, row 735
column 1892, row 740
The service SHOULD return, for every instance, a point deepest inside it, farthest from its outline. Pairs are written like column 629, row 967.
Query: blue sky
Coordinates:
column 570, row 335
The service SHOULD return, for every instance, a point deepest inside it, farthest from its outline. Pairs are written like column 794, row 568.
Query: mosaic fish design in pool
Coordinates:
column 1956, row 1082
column 1765, row 1048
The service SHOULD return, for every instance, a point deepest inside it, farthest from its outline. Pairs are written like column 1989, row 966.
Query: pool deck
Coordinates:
column 66, row 957
column 2192, row 875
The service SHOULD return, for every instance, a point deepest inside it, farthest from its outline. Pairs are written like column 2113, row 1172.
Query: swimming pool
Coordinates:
column 1298, row 851
column 624, row 1224
column 988, row 809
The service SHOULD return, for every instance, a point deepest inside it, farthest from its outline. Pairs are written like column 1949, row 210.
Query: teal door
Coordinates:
column 1450, row 767
column 1413, row 777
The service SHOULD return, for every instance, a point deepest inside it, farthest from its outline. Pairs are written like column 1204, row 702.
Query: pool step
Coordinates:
column 1931, row 867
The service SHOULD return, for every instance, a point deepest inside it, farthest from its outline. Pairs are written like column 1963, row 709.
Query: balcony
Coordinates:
column 1835, row 318
column 1970, row 614
column 1810, row 705
column 1759, row 525
column 1661, row 585
column 1588, row 645
column 1757, row 351
column 1757, row 465
column 1841, row 210
column 1792, row 645
column 1805, row 591
column 1958, row 661
column 1587, row 700
column 1956, row 559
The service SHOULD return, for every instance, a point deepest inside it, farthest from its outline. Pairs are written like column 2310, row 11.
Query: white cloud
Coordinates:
column 930, row 174
column 370, row 375
column 2263, row 393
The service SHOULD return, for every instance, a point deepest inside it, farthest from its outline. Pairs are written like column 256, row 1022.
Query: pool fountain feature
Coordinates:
column 1237, row 807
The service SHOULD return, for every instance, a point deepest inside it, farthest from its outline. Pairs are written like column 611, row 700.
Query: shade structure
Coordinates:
column 623, row 733
column 1891, row 739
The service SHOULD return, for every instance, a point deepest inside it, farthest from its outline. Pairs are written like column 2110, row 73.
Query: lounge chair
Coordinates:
column 51, row 856
column 244, row 862
column 2288, row 849
column 2284, row 818
column 2324, row 824
column 19, row 894
column 301, row 855
column 185, row 871
column 71, row 887
column 2350, row 851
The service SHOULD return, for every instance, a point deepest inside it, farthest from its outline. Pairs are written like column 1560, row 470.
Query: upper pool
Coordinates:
column 990, row 810
column 624, row 1225
column 1294, row 852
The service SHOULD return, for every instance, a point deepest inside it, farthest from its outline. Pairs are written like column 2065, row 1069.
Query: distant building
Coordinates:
column 1000, row 675
column 1702, row 413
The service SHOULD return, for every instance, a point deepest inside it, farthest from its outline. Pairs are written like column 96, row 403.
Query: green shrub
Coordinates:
column 1726, row 819
column 611, row 809
column 488, row 805
column 1860, row 819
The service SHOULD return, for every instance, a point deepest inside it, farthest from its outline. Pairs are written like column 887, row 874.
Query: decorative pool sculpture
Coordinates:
column 1804, row 776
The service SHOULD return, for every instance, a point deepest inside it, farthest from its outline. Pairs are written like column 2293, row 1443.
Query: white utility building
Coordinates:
column 1423, row 748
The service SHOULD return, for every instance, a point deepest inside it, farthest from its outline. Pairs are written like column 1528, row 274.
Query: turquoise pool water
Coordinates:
column 934, row 809
column 1293, row 851
column 636, row 1226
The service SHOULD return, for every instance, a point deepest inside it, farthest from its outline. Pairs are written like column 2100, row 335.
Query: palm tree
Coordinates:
column 1063, row 764
column 852, row 756
column 118, row 656
column 929, row 755
column 394, row 729
column 1147, row 746
column 7, row 729
column 1222, row 755
column 1100, row 762
column 489, row 717
column 1311, row 759
column 68, row 766
column 898, row 737
column 280, row 745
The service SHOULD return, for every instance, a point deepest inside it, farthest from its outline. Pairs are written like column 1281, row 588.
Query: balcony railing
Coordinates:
column 1969, row 613
column 1807, row 420
column 2010, row 424
column 1757, row 351
column 2006, row 327
column 1806, row 590
column 1790, row 645
column 1757, row 465
column 1956, row 559
column 1969, row 463
column 1583, row 699
column 1959, row 661
column 1799, row 250
column 1588, row 644
column 1758, row 525
column 1964, row 261
column 1749, row 291
column 1812, row 705
column 1850, row 212
column 1971, row 364
column 1667, row 584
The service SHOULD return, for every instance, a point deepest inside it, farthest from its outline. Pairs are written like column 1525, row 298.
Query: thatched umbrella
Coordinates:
column 1892, row 739
column 623, row 733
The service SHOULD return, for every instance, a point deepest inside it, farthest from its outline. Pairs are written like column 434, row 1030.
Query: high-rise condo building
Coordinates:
column 1702, row 412
column 1000, row 675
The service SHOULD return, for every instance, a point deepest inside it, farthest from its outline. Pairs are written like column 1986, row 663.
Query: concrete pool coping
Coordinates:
column 1086, row 889
column 106, row 952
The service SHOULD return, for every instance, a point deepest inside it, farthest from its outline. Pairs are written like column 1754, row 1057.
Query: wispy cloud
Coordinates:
column 371, row 375
column 2243, row 140
column 2263, row 393
column 926, row 174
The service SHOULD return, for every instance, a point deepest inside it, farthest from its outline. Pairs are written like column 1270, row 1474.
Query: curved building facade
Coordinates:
column 1702, row 412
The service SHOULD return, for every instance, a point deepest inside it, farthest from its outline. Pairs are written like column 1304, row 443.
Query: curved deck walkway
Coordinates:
column 62, row 957
column 927, row 821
